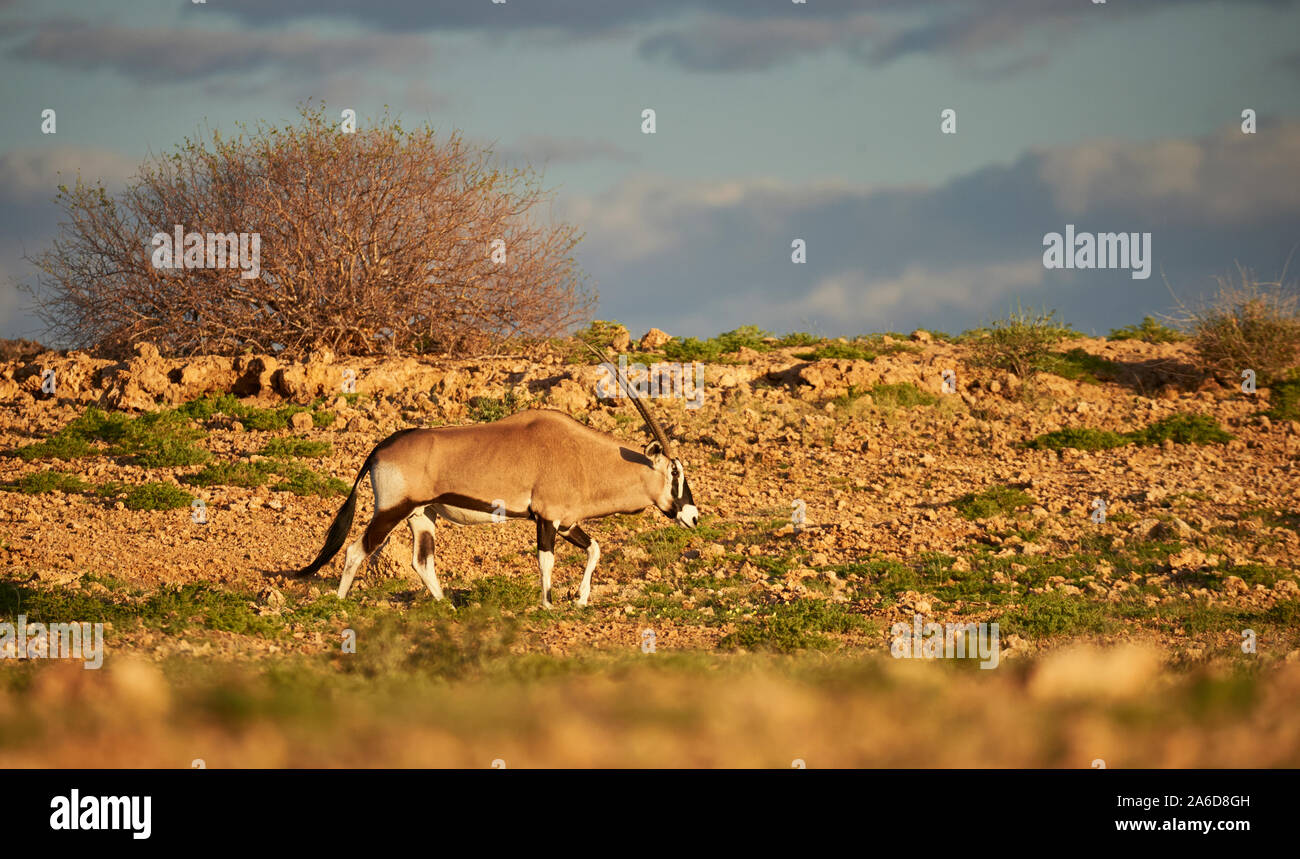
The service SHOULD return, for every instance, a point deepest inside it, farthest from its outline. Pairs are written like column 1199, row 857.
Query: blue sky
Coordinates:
column 776, row 121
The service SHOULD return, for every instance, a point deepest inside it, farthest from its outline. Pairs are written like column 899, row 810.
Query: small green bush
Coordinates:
column 1181, row 429
column 790, row 627
column 837, row 350
column 994, row 501
column 147, row 496
column 1149, row 331
column 1079, row 438
column 244, row 474
column 1080, row 366
column 40, row 482
column 488, row 409
column 1284, row 400
column 1020, row 343
column 300, row 480
column 902, row 395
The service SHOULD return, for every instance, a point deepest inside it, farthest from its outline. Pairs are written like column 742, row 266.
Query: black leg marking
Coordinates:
column 426, row 546
column 381, row 526
column 577, row 537
column 545, row 536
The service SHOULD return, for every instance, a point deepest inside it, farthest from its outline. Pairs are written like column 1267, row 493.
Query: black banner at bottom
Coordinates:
column 143, row 809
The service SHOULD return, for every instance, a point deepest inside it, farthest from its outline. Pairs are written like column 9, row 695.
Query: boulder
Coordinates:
column 568, row 396
column 653, row 340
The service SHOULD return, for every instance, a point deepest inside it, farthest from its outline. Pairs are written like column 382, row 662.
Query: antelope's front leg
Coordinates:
column 579, row 538
column 545, row 557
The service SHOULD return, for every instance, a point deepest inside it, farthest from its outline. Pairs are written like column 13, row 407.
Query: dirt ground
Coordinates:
column 837, row 502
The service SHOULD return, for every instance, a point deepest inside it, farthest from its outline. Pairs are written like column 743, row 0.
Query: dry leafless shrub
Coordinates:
column 375, row 241
column 1247, row 325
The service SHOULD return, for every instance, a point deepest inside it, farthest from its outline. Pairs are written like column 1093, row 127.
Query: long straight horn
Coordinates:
column 650, row 422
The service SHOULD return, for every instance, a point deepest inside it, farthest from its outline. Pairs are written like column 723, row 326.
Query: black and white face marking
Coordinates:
column 683, row 503
column 679, row 505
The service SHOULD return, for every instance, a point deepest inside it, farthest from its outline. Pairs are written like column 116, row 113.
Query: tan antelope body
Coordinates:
column 540, row 464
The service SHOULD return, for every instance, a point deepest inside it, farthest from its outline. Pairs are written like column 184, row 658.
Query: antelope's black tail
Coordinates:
column 338, row 533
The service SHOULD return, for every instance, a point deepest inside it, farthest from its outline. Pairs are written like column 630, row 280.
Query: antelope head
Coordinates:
column 675, row 502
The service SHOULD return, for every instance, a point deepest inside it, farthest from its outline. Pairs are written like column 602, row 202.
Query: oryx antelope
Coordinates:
column 540, row 464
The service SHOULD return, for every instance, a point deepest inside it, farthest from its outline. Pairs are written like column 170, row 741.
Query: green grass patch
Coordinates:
column 172, row 609
column 1275, row 518
column 1080, row 366
column 713, row 348
column 512, row 593
column 162, row 439
column 256, row 418
column 666, row 545
column 57, row 446
column 1181, row 429
column 488, row 409
column 1260, row 574
column 147, row 496
column 884, row 576
column 1150, row 331
column 849, row 351
column 903, row 395
column 1055, row 613
column 41, row 482
column 243, row 474
column 1079, row 438
column 176, row 609
column 294, row 477
column 795, row 626
column 799, row 338
column 301, row 480
column 1284, row 400
column 389, row 646
column 994, row 501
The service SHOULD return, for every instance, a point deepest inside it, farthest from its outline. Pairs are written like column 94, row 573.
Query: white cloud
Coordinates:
column 1225, row 177
column 858, row 301
column 31, row 174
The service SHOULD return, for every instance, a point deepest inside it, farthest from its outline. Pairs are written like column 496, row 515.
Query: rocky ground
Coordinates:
column 840, row 496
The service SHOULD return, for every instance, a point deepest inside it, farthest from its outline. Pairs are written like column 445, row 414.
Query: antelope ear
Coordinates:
column 653, row 449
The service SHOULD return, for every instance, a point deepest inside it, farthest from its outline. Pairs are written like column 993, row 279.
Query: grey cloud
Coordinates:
column 739, row 35
column 579, row 17
column 731, row 44
column 160, row 55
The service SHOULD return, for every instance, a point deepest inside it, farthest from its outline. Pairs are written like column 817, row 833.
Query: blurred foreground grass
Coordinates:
column 464, row 700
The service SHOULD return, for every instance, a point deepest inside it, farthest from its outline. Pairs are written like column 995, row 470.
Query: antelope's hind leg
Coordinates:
column 361, row 549
column 579, row 538
column 545, row 557
column 422, row 527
